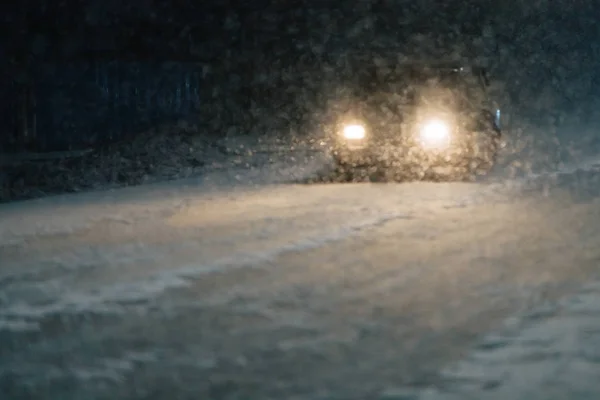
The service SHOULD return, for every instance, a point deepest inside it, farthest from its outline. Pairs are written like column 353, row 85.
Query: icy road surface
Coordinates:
column 204, row 289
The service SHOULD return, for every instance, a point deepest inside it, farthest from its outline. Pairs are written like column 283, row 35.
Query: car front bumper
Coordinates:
column 401, row 155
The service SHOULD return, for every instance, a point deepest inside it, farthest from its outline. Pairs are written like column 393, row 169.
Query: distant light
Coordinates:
column 354, row 132
column 435, row 133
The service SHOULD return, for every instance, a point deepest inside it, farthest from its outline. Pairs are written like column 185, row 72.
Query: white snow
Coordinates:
column 65, row 214
column 99, row 253
column 549, row 353
column 151, row 278
column 130, row 258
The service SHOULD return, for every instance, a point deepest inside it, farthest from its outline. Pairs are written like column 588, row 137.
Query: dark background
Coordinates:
column 84, row 73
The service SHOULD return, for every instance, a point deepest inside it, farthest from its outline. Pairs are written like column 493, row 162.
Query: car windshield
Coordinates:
column 418, row 83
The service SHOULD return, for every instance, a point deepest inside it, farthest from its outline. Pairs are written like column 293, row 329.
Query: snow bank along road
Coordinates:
column 278, row 291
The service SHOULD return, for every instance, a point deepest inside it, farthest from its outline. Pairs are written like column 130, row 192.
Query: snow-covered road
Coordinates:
column 203, row 289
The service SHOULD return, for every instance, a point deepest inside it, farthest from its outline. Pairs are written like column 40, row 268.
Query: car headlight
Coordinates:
column 354, row 132
column 435, row 133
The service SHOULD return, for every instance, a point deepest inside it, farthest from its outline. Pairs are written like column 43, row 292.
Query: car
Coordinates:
column 417, row 121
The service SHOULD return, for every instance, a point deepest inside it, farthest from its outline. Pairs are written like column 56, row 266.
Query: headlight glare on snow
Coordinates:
column 354, row 132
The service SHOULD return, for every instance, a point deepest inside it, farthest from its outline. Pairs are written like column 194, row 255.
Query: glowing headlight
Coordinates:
column 435, row 134
column 354, row 132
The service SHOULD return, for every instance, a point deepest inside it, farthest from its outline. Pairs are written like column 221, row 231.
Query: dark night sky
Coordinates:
column 130, row 24
column 133, row 26
column 542, row 38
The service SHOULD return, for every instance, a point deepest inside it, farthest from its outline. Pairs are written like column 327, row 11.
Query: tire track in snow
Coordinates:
column 548, row 353
column 58, row 297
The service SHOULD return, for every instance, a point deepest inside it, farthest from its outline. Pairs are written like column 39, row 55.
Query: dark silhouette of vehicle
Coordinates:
column 417, row 121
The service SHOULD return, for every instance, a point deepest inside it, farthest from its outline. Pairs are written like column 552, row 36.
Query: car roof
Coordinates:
column 422, row 69
column 442, row 66
column 398, row 62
